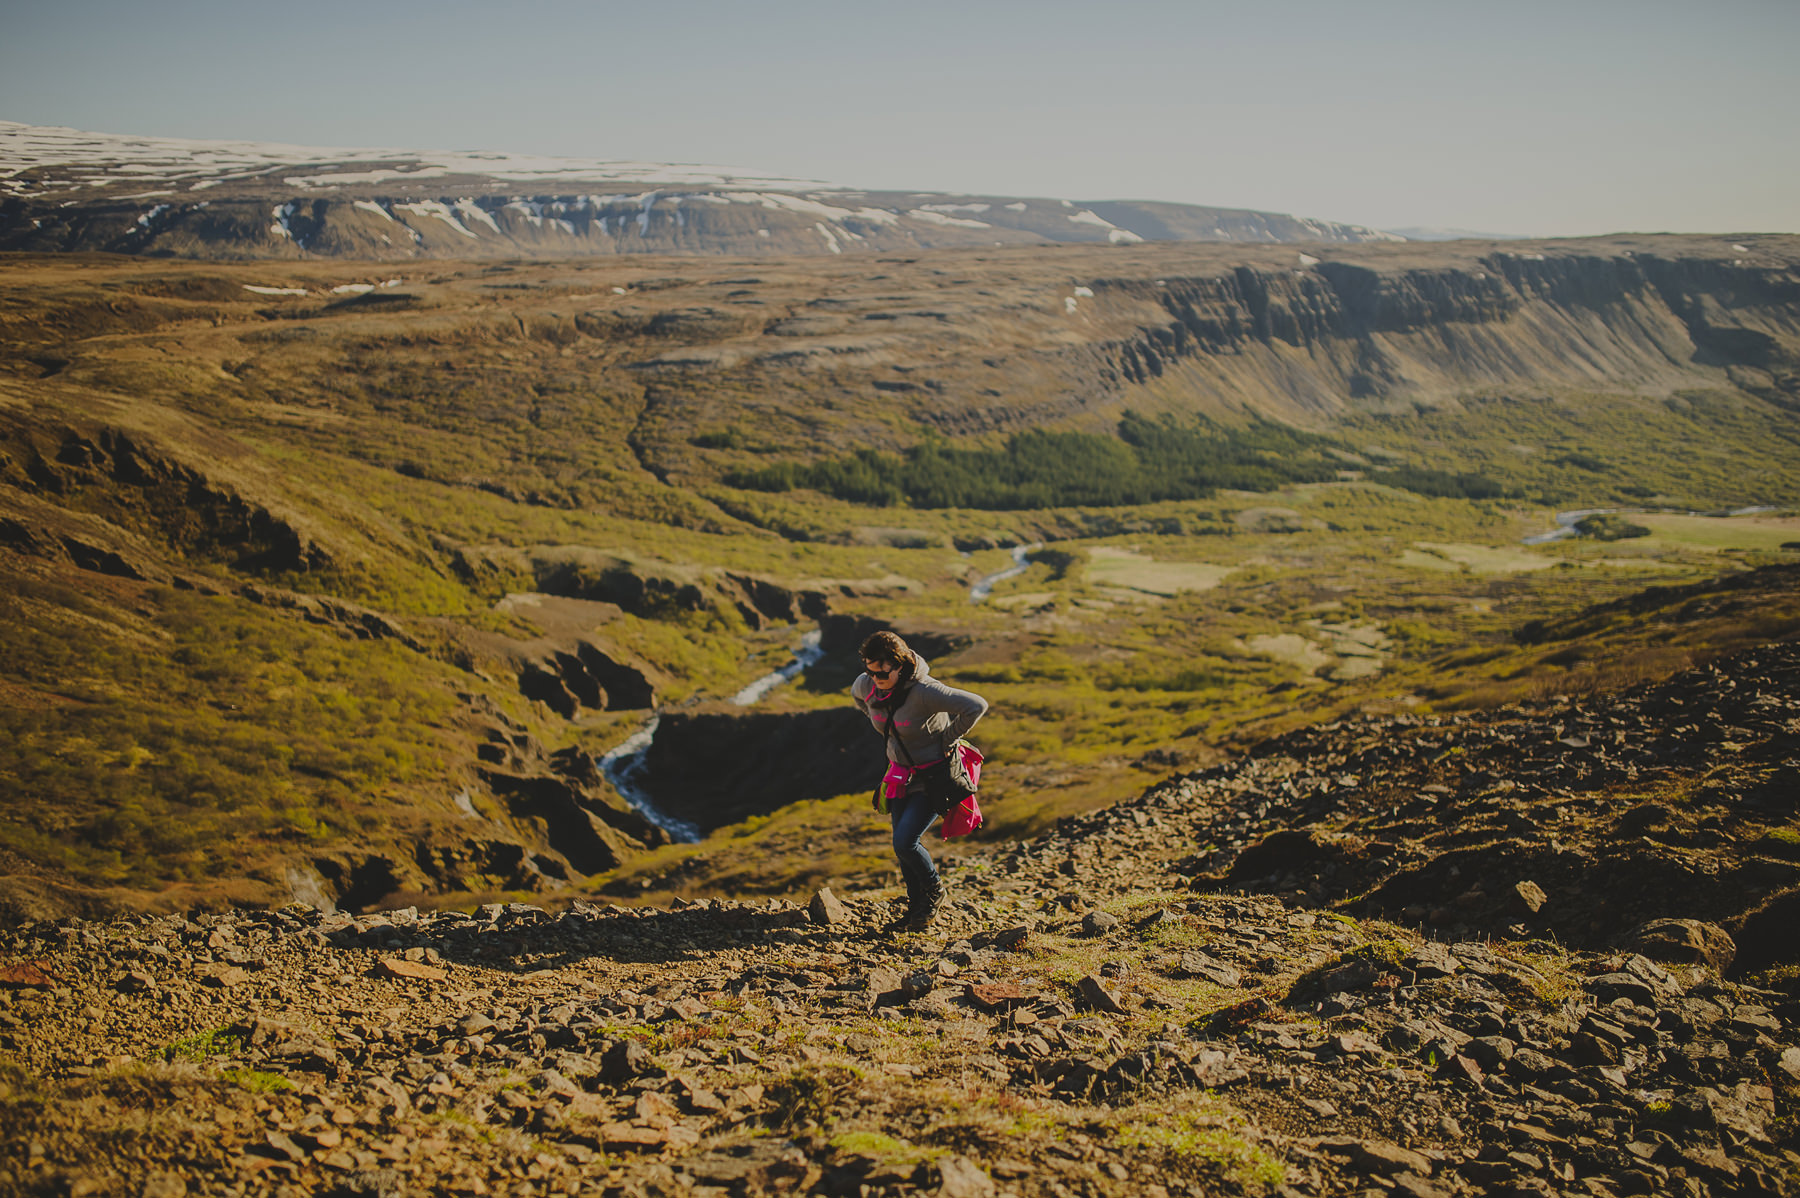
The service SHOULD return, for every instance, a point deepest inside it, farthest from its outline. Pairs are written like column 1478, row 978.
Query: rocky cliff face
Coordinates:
column 1506, row 315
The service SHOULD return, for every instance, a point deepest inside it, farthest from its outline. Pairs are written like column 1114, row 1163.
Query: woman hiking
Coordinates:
column 920, row 719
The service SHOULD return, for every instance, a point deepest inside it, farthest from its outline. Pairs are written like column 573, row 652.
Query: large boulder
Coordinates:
column 1683, row 942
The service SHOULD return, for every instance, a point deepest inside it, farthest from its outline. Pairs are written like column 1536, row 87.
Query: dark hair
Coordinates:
column 887, row 646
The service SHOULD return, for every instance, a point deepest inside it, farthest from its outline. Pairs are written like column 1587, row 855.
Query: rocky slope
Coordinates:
column 1414, row 957
column 63, row 190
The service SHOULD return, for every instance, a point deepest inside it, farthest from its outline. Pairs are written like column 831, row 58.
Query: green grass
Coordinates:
column 881, row 1147
column 204, row 1046
column 157, row 745
column 258, row 1081
column 1205, row 1132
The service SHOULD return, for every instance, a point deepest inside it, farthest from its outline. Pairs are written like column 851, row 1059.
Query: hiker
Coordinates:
column 919, row 718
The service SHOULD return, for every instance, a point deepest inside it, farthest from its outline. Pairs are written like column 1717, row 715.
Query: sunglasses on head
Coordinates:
column 875, row 673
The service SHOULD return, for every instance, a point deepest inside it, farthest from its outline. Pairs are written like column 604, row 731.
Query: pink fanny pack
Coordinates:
column 894, row 784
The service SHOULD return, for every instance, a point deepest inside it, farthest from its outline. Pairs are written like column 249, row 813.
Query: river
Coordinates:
column 1566, row 521
column 985, row 587
column 624, row 764
column 1565, row 525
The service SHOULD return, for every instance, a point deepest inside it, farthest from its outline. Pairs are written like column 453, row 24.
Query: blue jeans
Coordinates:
column 913, row 815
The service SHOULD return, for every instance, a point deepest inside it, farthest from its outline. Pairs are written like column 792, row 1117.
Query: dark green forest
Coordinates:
column 1149, row 461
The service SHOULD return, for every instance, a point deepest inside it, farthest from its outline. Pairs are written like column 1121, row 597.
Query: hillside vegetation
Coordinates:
column 344, row 594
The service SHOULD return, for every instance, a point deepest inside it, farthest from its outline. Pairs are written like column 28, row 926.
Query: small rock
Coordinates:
column 625, row 1060
column 1098, row 923
column 1431, row 960
column 1355, row 1044
column 705, row 1102
column 226, row 978
column 551, row 1081
column 1411, row 1185
column 996, row 996
column 963, row 1178
column 283, row 1144
column 1490, row 1052
column 1350, row 976
column 1012, row 939
column 1608, row 986
column 1529, row 897
column 396, row 967
column 1094, row 992
column 34, row 975
column 916, row 984
column 682, row 1009
column 1199, row 965
column 1532, row 1063
column 624, row 1137
column 1684, row 942
column 1790, row 1062
column 827, row 909
column 1378, row 1156
column 165, row 1185
column 135, row 982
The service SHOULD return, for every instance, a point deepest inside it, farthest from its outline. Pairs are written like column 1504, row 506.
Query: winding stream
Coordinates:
column 805, row 656
column 1565, row 525
column 985, row 587
column 624, row 764
column 1566, row 521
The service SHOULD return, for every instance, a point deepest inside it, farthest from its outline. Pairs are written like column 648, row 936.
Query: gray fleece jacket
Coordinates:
column 928, row 720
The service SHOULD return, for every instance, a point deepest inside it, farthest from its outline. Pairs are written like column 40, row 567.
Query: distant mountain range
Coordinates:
column 1434, row 233
column 64, row 190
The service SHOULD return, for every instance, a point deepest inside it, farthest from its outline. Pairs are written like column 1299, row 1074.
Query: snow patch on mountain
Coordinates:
column 938, row 218
column 434, row 208
column 70, row 158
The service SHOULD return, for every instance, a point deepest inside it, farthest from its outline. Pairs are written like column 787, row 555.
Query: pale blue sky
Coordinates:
column 1582, row 116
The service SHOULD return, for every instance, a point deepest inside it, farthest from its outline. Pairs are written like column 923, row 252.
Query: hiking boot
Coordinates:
column 934, row 902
